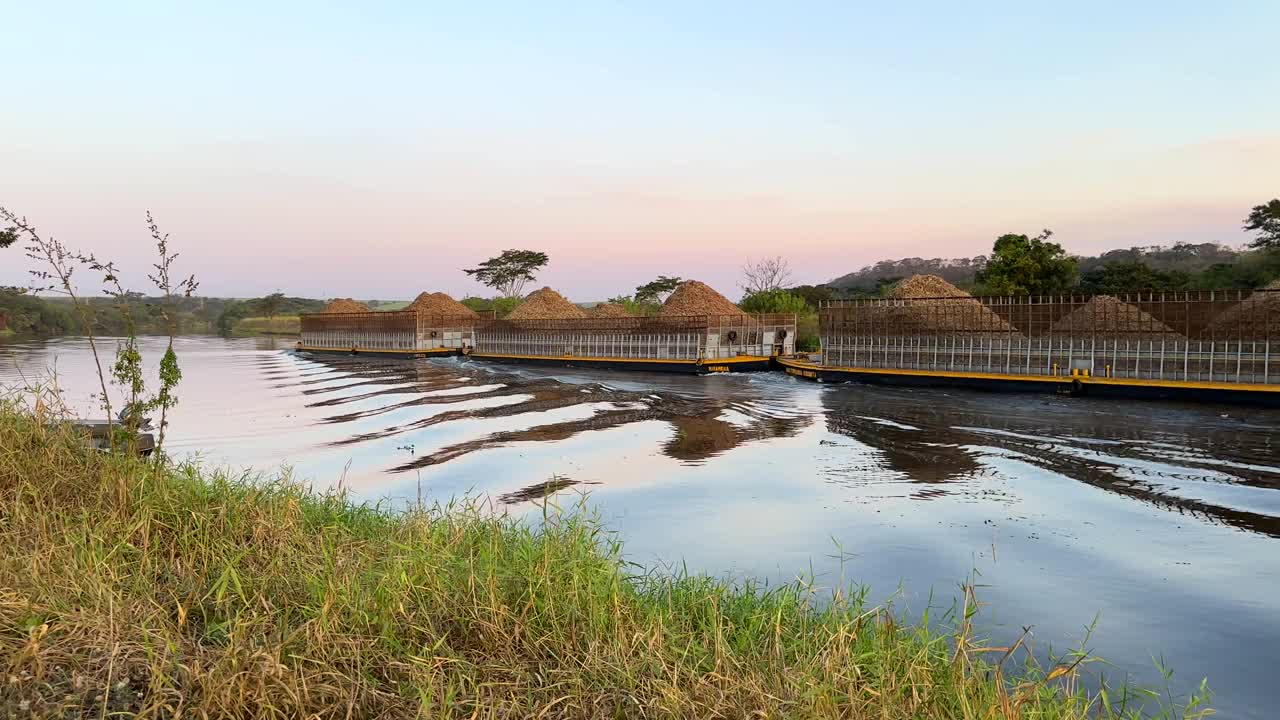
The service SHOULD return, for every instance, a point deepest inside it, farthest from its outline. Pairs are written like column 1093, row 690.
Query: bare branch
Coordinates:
column 767, row 274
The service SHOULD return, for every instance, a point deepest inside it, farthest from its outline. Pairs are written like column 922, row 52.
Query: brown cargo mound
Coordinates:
column 926, row 286
column 937, row 305
column 696, row 298
column 546, row 304
column 1256, row 317
column 344, row 305
column 1106, row 315
column 439, row 303
column 608, row 310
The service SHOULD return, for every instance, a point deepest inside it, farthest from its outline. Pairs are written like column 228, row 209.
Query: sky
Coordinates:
column 375, row 149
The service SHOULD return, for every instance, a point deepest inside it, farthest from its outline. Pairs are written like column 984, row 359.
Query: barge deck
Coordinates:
column 1078, row 384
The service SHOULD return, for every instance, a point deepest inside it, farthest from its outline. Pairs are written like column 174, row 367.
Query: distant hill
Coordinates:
column 957, row 271
column 1183, row 257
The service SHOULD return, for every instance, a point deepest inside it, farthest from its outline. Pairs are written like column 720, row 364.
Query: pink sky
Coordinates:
column 373, row 221
column 375, row 149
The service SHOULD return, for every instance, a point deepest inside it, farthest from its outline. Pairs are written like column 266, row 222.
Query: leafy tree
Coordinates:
column 271, row 304
column 1265, row 220
column 1022, row 265
column 656, row 291
column 509, row 272
column 8, row 237
column 499, row 306
column 639, row 309
column 814, row 295
column 774, row 301
column 29, row 314
column 885, row 284
column 1131, row 276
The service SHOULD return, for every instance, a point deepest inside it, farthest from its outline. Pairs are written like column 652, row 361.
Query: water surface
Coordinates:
column 1159, row 520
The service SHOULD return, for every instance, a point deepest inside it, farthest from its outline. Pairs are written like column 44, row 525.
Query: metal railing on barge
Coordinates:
column 395, row 330
column 700, row 337
column 1219, row 336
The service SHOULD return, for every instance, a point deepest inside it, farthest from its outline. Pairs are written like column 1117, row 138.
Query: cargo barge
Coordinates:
column 701, row 344
column 1217, row 346
column 400, row 333
column 698, row 344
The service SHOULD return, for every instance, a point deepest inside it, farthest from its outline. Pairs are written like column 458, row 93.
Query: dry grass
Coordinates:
column 131, row 591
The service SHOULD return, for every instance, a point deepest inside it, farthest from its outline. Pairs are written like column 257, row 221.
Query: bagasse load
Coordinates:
column 926, row 286
column 1106, row 315
column 608, row 310
column 345, row 305
column 692, row 298
column 546, row 304
column 933, row 305
column 438, row 303
column 1257, row 317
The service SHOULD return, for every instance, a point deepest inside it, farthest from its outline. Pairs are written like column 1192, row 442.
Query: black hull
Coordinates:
column 391, row 354
column 685, row 367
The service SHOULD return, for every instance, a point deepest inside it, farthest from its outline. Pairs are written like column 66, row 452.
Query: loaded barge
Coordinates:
column 1218, row 346
column 700, row 344
column 687, row 344
column 693, row 345
column 399, row 333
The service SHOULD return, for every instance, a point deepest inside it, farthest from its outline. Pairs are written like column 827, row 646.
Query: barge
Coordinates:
column 399, row 333
column 695, row 344
column 1217, row 346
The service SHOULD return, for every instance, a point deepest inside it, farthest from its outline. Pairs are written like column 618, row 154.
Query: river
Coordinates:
column 1160, row 521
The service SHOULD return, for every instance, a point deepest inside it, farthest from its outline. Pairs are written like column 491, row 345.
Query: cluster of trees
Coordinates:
column 1018, row 264
column 29, row 314
column 25, row 314
column 268, row 306
column 1022, row 264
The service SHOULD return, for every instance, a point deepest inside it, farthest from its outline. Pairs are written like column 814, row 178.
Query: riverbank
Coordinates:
column 278, row 325
column 130, row 590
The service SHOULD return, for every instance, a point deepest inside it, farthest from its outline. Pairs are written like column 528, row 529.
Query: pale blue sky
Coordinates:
column 373, row 150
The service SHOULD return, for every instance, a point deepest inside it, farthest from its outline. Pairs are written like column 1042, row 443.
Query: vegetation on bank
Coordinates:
column 1018, row 264
column 42, row 315
column 131, row 588
column 1184, row 266
column 278, row 325
column 267, row 307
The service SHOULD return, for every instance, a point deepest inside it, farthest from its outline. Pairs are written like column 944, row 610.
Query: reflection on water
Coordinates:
column 1164, row 518
column 1209, row 469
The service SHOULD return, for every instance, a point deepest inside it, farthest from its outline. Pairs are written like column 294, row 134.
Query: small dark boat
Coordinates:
column 97, row 433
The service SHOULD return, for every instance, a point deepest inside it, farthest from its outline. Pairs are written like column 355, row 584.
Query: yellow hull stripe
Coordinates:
column 588, row 358
column 1059, row 379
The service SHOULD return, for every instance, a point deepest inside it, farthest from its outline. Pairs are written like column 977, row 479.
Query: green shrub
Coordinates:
column 775, row 301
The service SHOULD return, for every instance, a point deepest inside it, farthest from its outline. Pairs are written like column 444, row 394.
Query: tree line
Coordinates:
column 1023, row 264
column 1018, row 264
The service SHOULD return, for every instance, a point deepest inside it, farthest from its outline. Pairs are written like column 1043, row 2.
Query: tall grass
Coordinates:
column 129, row 589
